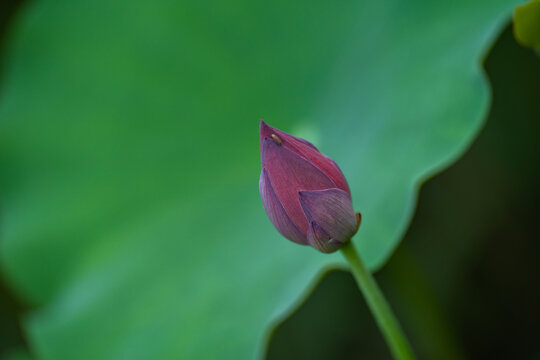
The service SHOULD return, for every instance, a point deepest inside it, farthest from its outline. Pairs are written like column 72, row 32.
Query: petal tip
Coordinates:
column 265, row 130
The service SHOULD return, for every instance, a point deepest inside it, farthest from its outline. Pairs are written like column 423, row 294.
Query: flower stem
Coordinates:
column 387, row 322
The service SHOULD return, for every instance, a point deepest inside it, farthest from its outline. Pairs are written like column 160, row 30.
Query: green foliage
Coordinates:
column 527, row 24
column 129, row 153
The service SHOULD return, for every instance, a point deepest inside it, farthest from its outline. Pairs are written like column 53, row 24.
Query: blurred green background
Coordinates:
column 464, row 280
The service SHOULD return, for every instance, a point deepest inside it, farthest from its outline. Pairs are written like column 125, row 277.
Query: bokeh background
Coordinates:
column 465, row 280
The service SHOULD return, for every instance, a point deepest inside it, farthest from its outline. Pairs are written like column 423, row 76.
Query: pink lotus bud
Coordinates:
column 304, row 193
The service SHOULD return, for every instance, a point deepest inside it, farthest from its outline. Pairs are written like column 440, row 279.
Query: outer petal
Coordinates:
column 308, row 151
column 332, row 210
column 320, row 240
column 323, row 162
column 290, row 173
column 277, row 214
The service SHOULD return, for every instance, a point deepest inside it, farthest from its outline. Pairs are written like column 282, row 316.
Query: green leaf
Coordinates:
column 129, row 152
column 527, row 24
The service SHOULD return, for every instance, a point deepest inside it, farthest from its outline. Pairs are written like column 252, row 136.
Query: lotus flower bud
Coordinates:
column 304, row 192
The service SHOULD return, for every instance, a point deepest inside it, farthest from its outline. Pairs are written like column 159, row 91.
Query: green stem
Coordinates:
column 387, row 322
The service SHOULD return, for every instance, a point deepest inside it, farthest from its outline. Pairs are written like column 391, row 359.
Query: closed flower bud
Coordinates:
column 304, row 192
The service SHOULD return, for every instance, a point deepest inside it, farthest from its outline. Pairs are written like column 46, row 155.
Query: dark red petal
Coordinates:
column 309, row 152
column 320, row 240
column 332, row 210
column 323, row 162
column 277, row 214
column 290, row 173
